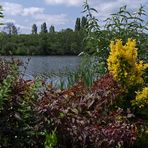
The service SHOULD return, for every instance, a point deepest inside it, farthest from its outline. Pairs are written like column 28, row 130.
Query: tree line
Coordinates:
column 43, row 42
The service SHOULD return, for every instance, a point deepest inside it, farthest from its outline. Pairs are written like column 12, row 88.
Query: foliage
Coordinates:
column 66, row 41
column 125, row 24
column 59, row 43
column 1, row 13
column 51, row 29
column 6, row 78
column 5, row 89
column 89, row 70
column 86, row 114
column 77, row 25
column 17, row 99
column 11, row 29
column 122, row 63
column 84, row 118
column 92, row 24
column 122, row 24
column 44, row 28
column 51, row 140
column 5, row 70
column 81, row 24
column 34, row 29
column 141, row 98
column 141, row 101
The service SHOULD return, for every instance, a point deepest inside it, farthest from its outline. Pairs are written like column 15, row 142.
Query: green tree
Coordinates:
column 34, row 29
column 14, row 30
column 51, row 29
column 43, row 43
column 44, row 28
column 77, row 25
column 10, row 29
column 83, row 22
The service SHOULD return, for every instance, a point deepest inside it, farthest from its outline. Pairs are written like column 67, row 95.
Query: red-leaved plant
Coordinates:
column 84, row 118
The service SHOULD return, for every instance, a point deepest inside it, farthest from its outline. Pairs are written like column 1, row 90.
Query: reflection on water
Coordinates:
column 43, row 65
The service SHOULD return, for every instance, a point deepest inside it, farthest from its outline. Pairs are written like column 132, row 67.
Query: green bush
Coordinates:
column 18, row 123
column 121, row 25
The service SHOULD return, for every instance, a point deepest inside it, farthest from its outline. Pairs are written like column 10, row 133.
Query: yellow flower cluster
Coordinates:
column 146, row 131
column 122, row 63
column 141, row 98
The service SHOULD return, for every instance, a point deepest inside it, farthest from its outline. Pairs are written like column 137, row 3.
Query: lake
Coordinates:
column 44, row 65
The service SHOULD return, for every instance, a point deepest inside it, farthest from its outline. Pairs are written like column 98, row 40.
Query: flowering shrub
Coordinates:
column 141, row 99
column 122, row 63
column 126, row 70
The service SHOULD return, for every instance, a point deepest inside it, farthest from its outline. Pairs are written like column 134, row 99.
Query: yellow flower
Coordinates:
column 146, row 132
column 141, row 98
column 122, row 63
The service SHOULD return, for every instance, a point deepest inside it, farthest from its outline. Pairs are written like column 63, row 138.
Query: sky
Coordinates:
column 60, row 13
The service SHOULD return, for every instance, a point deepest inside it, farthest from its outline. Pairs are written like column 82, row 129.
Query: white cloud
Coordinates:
column 9, row 21
column 107, row 7
column 110, row 6
column 12, row 8
column 32, row 11
column 65, row 2
column 60, row 19
column 36, row 13
column 17, row 9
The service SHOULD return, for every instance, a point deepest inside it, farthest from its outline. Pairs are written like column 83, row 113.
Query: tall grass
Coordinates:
column 89, row 69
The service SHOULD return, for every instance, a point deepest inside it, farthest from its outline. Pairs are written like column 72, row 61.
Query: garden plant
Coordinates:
column 105, row 106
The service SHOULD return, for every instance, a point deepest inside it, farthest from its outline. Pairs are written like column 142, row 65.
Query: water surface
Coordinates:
column 43, row 65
